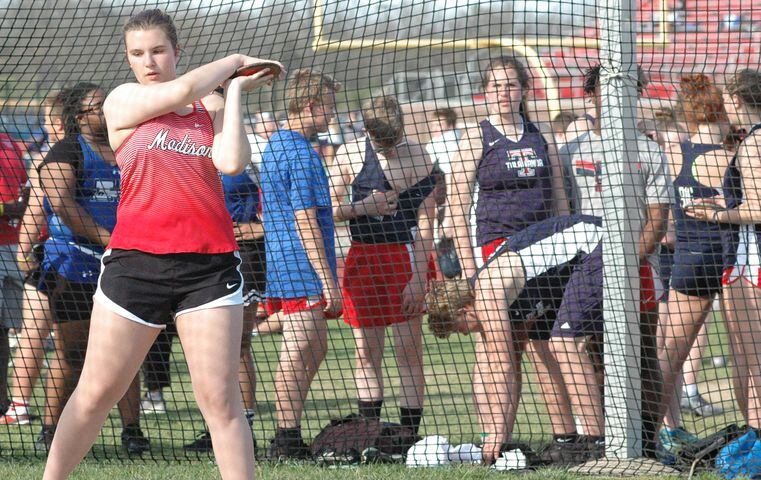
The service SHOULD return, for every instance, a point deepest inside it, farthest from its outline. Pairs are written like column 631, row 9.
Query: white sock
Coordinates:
column 690, row 390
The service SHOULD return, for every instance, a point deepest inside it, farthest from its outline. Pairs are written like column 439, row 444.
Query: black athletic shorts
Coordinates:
column 150, row 289
column 535, row 309
column 69, row 301
column 253, row 267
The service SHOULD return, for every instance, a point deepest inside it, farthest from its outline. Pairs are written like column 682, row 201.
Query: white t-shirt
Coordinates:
column 443, row 148
column 258, row 145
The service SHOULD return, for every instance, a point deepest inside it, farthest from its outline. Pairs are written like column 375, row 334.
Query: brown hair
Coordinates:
column 148, row 19
column 746, row 84
column 449, row 116
column 734, row 138
column 307, row 87
column 701, row 100
column 444, row 300
column 514, row 63
column 384, row 121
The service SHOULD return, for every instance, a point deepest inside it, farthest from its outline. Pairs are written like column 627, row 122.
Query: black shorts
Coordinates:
column 69, row 301
column 580, row 313
column 151, row 289
column 253, row 267
column 535, row 310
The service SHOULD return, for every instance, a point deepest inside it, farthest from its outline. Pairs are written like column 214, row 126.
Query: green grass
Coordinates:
column 448, row 412
column 202, row 471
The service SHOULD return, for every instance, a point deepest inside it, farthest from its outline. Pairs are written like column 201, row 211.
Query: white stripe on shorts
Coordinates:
column 559, row 248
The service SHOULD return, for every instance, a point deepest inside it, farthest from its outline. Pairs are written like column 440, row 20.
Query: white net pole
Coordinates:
column 621, row 259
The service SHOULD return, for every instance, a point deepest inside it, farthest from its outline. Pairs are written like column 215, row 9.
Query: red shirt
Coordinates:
column 171, row 194
column 12, row 180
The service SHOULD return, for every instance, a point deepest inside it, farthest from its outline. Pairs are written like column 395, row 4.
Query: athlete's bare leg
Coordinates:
column 554, row 390
column 580, row 379
column 110, row 366
column 408, row 344
column 30, row 353
column 686, row 316
column 744, row 329
column 211, row 342
column 305, row 343
column 246, row 368
column 370, row 344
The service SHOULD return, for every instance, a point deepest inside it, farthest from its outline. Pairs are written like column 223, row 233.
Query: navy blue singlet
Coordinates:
column 514, row 181
column 396, row 228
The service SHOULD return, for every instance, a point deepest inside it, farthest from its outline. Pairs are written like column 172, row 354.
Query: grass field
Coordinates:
column 448, row 412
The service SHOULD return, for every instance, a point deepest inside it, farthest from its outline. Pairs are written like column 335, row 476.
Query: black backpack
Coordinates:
column 357, row 439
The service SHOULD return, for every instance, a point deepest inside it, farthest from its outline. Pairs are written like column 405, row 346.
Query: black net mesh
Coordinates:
column 471, row 141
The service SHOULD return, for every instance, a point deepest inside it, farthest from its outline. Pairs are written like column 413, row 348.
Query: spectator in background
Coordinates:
column 13, row 199
column 330, row 141
column 38, row 322
column 80, row 179
column 353, row 127
column 560, row 124
column 258, row 132
column 301, row 263
column 443, row 145
column 390, row 213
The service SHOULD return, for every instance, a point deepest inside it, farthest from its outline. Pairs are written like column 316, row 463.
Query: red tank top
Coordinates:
column 171, row 194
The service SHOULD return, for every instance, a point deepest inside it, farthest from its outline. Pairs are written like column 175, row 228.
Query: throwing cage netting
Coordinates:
column 615, row 148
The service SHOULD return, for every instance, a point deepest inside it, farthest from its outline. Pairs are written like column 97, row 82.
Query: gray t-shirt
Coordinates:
column 583, row 160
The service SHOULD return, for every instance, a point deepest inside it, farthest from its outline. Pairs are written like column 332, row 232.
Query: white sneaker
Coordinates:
column 697, row 405
column 17, row 414
column 153, row 403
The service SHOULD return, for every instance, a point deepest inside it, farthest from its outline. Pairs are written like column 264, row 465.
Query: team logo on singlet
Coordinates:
column 685, row 196
column 184, row 146
column 525, row 161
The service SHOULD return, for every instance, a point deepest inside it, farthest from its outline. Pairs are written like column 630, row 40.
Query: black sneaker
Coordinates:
column 282, row 449
column 595, row 448
column 44, row 439
column 201, row 444
column 134, row 441
column 565, row 453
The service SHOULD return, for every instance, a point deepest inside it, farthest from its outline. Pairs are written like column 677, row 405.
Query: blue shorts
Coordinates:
column 697, row 274
column 580, row 313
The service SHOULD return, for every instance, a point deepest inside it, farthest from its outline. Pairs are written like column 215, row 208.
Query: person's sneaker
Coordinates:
column 672, row 441
column 44, row 439
column 153, row 402
column 201, row 444
column 564, row 453
column 595, row 447
column 16, row 414
column 697, row 405
column 134, row 441
column 282, row 449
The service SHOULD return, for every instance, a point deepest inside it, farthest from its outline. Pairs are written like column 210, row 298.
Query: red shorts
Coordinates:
column 288, row 306
column 489, row 248
column 650, row 288
column 375, row 277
